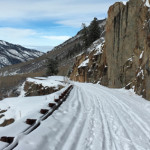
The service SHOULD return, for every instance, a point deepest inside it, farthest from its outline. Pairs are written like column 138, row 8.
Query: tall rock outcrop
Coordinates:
column 125, row 57
column 128, row 46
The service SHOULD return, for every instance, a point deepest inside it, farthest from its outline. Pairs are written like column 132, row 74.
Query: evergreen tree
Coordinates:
column 94, row 31
column 52, row 67
column 85, row 35
column 90, row 34
column 69, row 73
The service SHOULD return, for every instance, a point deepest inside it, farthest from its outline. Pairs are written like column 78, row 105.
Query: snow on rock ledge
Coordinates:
column 18, row 108
column 147, row 2
column 84, row 63
column 42, row 86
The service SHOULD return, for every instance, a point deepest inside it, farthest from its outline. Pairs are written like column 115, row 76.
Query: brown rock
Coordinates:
column 30, row 121
column 43, row 111
column 7, row 139
column 57, row 100
column 51, row 105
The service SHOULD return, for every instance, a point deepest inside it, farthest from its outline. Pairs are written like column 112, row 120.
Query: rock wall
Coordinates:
column 125, row 57
column 95, row 70
column 128, row 46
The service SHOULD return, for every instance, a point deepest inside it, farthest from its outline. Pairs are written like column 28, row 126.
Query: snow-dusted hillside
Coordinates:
column 93, row 117
column 102, row 24
column 13, row 54
column 60, row 52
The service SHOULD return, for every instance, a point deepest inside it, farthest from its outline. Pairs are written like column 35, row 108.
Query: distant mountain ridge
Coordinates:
column 13, row 54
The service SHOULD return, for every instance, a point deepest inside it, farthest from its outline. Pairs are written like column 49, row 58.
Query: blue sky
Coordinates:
column 47, row 22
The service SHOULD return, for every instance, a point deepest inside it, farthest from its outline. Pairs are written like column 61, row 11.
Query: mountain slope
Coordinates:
column 12, row 54
column 92, row 117
column 60, row 52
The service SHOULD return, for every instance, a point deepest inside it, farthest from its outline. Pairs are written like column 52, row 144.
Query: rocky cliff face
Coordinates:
column 91, row 66
column 128, row 46
column 125, row 57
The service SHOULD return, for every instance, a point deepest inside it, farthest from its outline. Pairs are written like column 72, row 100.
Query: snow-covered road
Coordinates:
column 94, row 118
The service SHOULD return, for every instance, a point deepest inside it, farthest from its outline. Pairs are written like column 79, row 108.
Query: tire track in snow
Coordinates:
column 92, row 139
column 81, row 125
column 131, row 142
column 143, row 126
column 128, row 138
column 126, row 108
column 89, row 126
column 84, row 123
column 108, row 141
column 106, row 133
column 110, row 100
column 136, row 141
column 66, row 134
column 133, row 118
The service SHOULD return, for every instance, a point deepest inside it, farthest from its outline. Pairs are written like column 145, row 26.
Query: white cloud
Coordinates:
column 51, row 9
column 18, row 36
column 16, row 33
column 40, row 48
column 31, row 37
column 75, row 22
column 124, row 2
column 70, row 13
column 60, row 38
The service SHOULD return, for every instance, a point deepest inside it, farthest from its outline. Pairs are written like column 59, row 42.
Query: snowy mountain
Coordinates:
column 13, row 54
column 91, row 117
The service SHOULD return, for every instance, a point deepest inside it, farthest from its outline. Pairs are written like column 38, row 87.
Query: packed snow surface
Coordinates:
column 92, row 118
column 50, row 81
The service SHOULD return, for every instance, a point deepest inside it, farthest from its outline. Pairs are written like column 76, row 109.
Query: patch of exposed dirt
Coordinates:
column 7, row 122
